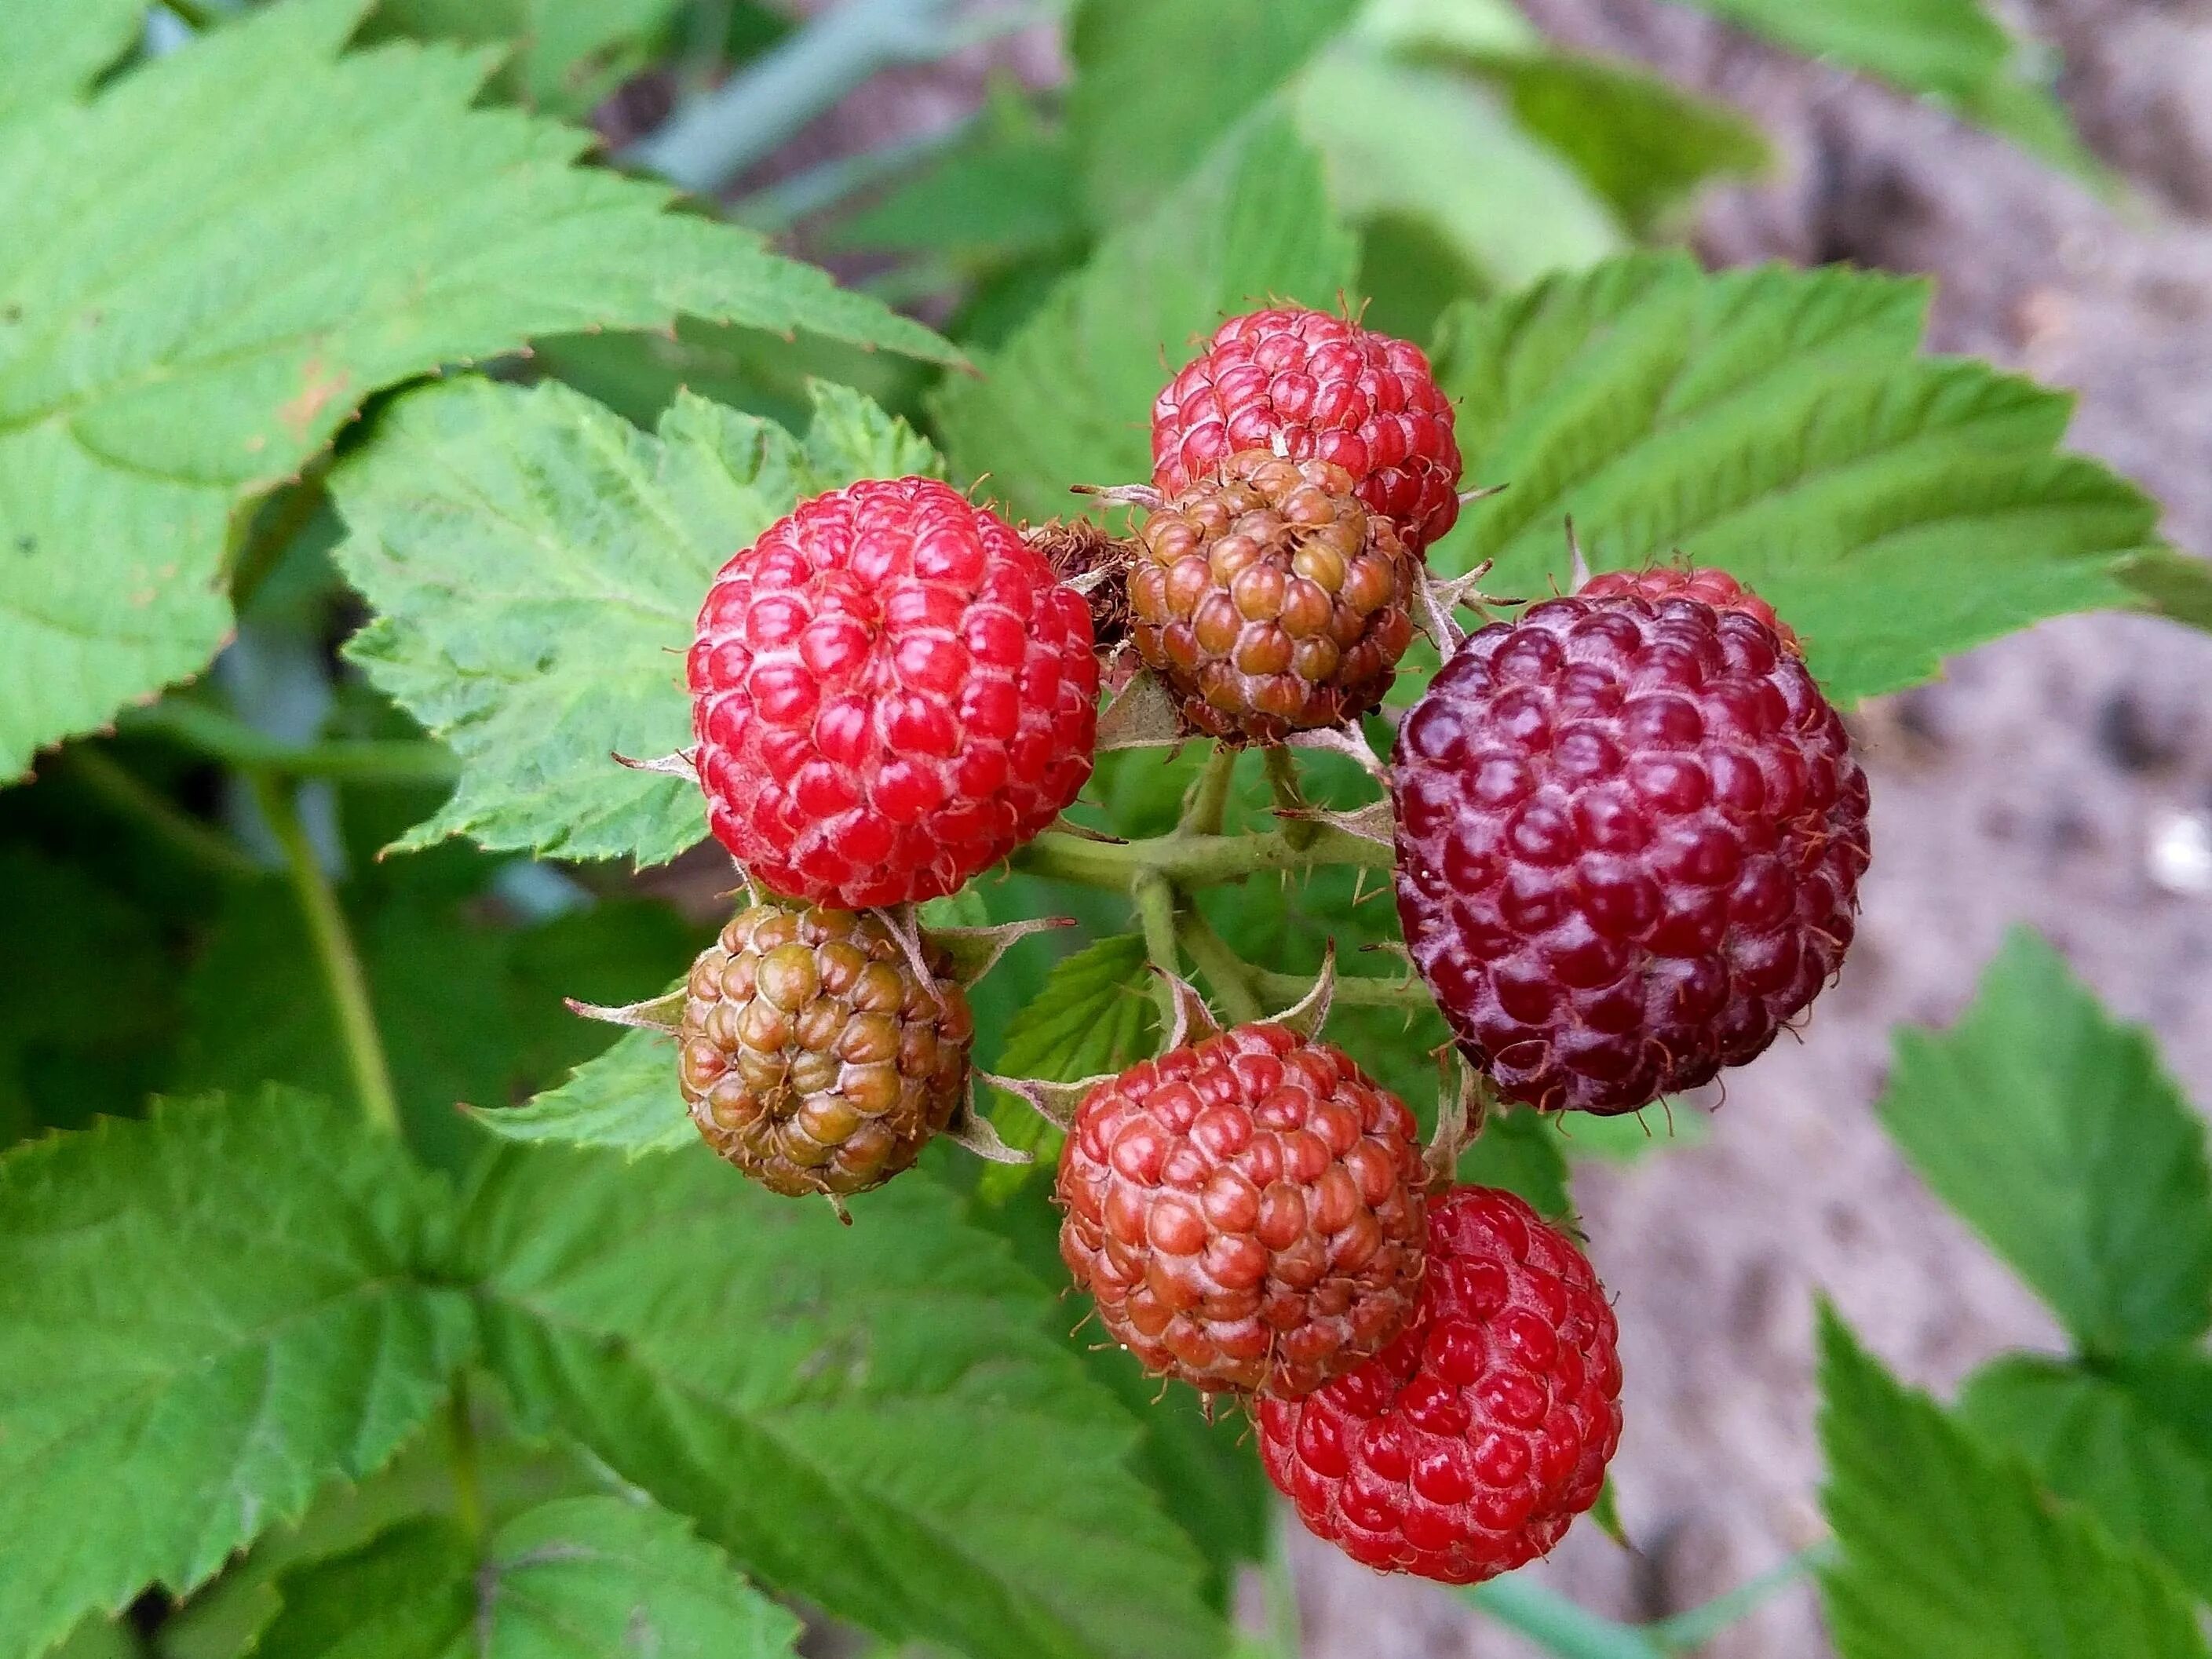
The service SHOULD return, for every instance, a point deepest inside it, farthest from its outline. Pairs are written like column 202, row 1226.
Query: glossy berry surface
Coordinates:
column 1467, row 1447
column 1309, row 385
column 1630, row 838
column 1715, row 587
column 1270, row 599
column 812, row 1054
column 891, row 693
column 1245, row 1211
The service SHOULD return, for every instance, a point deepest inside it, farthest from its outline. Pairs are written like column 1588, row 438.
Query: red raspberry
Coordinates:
column 1308, row 384
column 1246, row 1210
column 1630, row 837
column 891, row 693
column 1467, row 1447
column 1716, row 587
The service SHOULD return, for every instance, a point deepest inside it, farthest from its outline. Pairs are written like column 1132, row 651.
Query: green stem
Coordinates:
column 1189, row 861
column 1283, row 783
column 190, row 12
column 223, row 737
column 1686, row 1633
column 334, row 950
column 1232, row 977
column 468, row 1484
column 1207, row 805
column 1156, row 915
column 1352, row 990
column 100, row 775
column 1557, row 1625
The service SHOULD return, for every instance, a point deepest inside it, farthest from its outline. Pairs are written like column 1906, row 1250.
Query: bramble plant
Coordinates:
column 416, row 532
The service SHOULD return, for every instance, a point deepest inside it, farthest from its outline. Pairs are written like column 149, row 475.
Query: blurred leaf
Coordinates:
column 1156, row 81
column 186, row 322
column 1948, row 1550
column 567, row 55
column 1632, row 1136
column 1390, row 133
column 1642, row 142
column 98, row 1639
column 2174, row 585
column 1519, row 1150
column 2057, row 1134
column 1095, row 1014
column 1009, row 190
column 53, row 51
column 2097, row 1437
column 1894, row 508
column 626, row 1100
column 1409, row 272
column 1067, row 400
column 539, row 566
column 872, row 1416
column 577, row 1578
column 1952, row 51
column 203, row 1318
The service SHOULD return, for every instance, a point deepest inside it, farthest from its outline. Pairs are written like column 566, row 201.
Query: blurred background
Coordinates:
column 2049, row 164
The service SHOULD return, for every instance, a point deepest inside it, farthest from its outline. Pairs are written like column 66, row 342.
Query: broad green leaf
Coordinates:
column 1894, row 508
column 1949, row 1551
column 211, row 265
column 2096, row 1437
column 1519, row 1150
column 1156, row 81
column 1642, row 142
column 2058, row 1136
column 1382, row 125
column 1954, row 51
column 1095, row 1014
column 872, row 1416
column 577, row 1578
column 1067, row 400
column 203, row 1318
column 567, row 55
column 52, row 50
column 625, row 1100
column 539, row 565
column 1006, row 189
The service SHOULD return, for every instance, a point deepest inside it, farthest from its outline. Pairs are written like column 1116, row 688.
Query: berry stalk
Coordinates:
column 1192, row 860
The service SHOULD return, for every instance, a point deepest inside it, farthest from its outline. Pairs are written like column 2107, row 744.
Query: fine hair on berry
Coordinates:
column 1629, row 836
column 892, row 692
column 813, row 1056
column 1271, row 599
column 1246, row 1210
column 1307, row 384
column 1467, row 1447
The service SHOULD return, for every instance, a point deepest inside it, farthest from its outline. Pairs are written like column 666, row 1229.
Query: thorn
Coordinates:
column 1576, row 563
column 1470, row 497
column 1311, row 1012
column 660, row 1013
column 682, row 764
column 1067, row 826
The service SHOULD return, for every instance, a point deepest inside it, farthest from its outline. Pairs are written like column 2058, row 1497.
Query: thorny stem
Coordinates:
column 223, row 737
column 1207, row 805
column 1156, row 915
column 335, row 952
column 103, row 776
column 1229, row 975
column 1188, row 860
column 1283, row 781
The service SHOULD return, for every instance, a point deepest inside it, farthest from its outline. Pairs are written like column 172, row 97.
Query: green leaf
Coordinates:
column 1948, row 1550
column 1779, row 423
column 1642, row 142
column 1156, row 81
column 2058, row 1136
column 1632, row 1136
column 53, row 51
column 211, row 266
column 1095, row 1014
column 1519, row 1150
column 203, row 1318
column 577, row 1578
column 872, row 1417
column 1066, row 401
column 625, row 1100
column 2098, row 1437
column 1952, row 51
column 567, row 55
column 539, row 565
column 2172, row 584
column 1382, row 125
column 1007, row 191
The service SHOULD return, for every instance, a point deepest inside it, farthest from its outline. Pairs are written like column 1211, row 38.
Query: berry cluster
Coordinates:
column 1627, row 831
